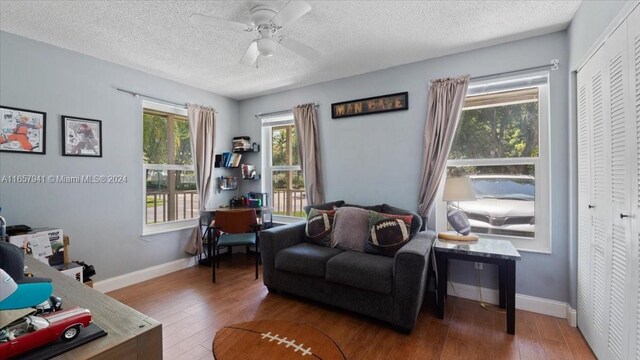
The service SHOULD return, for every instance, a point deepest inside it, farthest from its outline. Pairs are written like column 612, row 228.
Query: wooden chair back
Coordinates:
column 236, row 221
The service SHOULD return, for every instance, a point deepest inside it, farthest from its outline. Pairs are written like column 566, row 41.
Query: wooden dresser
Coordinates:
column 131, row 334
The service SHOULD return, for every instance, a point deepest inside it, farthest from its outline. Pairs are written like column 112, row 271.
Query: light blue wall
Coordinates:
column 591, row 20
column 103, row 221
column 376, row 158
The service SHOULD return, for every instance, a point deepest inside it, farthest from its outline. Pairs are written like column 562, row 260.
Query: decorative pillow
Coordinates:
column 377, row 208
column 387, row 233
column 351, row 228
column 325, row 206
column 319, row 225
column 416, row 223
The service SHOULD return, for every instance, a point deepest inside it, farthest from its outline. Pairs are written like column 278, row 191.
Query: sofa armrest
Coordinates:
column 410, row 271
column 275, row 239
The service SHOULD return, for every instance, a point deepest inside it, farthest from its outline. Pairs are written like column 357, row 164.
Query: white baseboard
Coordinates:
column 572, row 316
column 523, row 302
column 135, row 277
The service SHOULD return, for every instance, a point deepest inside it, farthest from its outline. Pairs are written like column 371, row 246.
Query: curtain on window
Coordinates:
column 305, row 118
column 446, row 97
column 202, row 122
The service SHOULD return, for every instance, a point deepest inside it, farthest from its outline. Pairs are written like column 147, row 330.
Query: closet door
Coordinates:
column 595, row 254
column 633, row 45
column 619, row 203
column 585, row 200
column 601, row 213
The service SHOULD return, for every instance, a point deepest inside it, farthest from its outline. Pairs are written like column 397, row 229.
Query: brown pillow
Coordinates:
column 387, row 233
column 351, row 228
column 319, row 225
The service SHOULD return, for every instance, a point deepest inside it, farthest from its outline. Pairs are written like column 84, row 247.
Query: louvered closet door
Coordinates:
column 633, row 45
column 585, row 277
column 597, row 331
column 617, row 63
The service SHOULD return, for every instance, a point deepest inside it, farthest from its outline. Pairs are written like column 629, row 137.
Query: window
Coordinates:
column 169, row 185
column 501, row 144
column 283, row 177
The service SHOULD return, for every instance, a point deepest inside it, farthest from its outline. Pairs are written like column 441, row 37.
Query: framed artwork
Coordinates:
column 22, row 131
column 372, row 105
column 81, row 137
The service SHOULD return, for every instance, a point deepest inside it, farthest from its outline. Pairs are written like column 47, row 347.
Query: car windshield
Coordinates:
column 38, row 323
column 504, row 188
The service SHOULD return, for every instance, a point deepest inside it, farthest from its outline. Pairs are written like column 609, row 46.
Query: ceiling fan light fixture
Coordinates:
column 267, row 47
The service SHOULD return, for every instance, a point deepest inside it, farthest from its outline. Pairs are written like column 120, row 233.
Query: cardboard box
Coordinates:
column 53, row 254
column 72, row 270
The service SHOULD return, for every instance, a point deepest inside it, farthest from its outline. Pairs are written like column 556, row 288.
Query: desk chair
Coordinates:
column 233, row 228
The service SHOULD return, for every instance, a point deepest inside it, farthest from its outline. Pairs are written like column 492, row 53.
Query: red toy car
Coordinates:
column 31, row 332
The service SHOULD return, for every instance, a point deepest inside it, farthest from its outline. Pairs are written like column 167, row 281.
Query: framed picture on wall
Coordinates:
column 81, row 137
column 22, row 130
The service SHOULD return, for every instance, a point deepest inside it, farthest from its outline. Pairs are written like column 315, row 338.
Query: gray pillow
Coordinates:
column 350, row 228
column 377, row 208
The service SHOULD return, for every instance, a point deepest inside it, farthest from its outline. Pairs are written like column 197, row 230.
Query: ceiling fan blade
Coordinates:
column 251, row 55
column 300, row 48
column 290, row 12
column 198, row 19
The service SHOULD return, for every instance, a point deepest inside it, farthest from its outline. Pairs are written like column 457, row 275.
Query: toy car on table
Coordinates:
column 30, row 332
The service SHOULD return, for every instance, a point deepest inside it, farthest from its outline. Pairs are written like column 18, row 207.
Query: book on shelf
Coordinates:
column 226, row 158
column 235, row 162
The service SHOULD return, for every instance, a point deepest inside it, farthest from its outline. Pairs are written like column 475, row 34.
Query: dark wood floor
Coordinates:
column 192, row 309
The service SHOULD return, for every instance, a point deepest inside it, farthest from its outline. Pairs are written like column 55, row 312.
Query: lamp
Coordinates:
column 458, row 189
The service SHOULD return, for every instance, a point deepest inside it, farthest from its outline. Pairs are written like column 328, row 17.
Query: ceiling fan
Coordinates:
column 267, row 22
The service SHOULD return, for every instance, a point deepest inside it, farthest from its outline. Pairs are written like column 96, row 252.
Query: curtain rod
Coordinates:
column 281, row 112
column 554, row 65
column 167, row 102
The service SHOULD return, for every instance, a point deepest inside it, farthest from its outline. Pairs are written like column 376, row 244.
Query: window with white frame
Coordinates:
column 502, row 145
column 170, row 197
column 283, row 179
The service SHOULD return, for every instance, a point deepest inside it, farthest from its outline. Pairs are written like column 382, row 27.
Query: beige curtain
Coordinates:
column 446, row 97
column 305, row 118
column 202, row 122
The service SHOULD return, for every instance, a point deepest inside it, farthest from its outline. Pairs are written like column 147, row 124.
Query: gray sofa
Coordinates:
column 387, row 288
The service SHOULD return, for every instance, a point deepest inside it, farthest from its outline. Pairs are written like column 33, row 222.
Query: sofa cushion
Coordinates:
column 305, row 258
column 387, row 233
column 319, row 225
column 361, row 270
column 325, row 206
column 350, row 228
column 416, row 222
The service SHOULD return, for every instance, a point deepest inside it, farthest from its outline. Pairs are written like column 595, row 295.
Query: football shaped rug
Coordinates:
column 274, row 339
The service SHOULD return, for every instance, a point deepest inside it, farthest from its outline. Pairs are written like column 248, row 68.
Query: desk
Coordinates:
column 260, row 211
column 131, row 334
column 499, row 252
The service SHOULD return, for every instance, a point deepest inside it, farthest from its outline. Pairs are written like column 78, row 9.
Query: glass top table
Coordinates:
column 498, row 252
column 502, row 249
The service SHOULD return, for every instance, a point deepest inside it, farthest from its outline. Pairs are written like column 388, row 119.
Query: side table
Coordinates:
column 499, row 252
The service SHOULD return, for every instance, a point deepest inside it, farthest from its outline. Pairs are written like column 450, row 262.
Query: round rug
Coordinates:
column 274, row 339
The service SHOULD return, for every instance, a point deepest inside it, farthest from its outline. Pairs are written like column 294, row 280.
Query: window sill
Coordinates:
column 150, row 230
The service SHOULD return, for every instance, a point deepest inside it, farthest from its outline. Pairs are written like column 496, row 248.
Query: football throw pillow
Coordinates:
column 319, row 224
column 387, row 233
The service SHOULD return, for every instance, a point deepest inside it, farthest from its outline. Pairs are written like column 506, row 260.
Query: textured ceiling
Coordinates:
column 354, row 36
